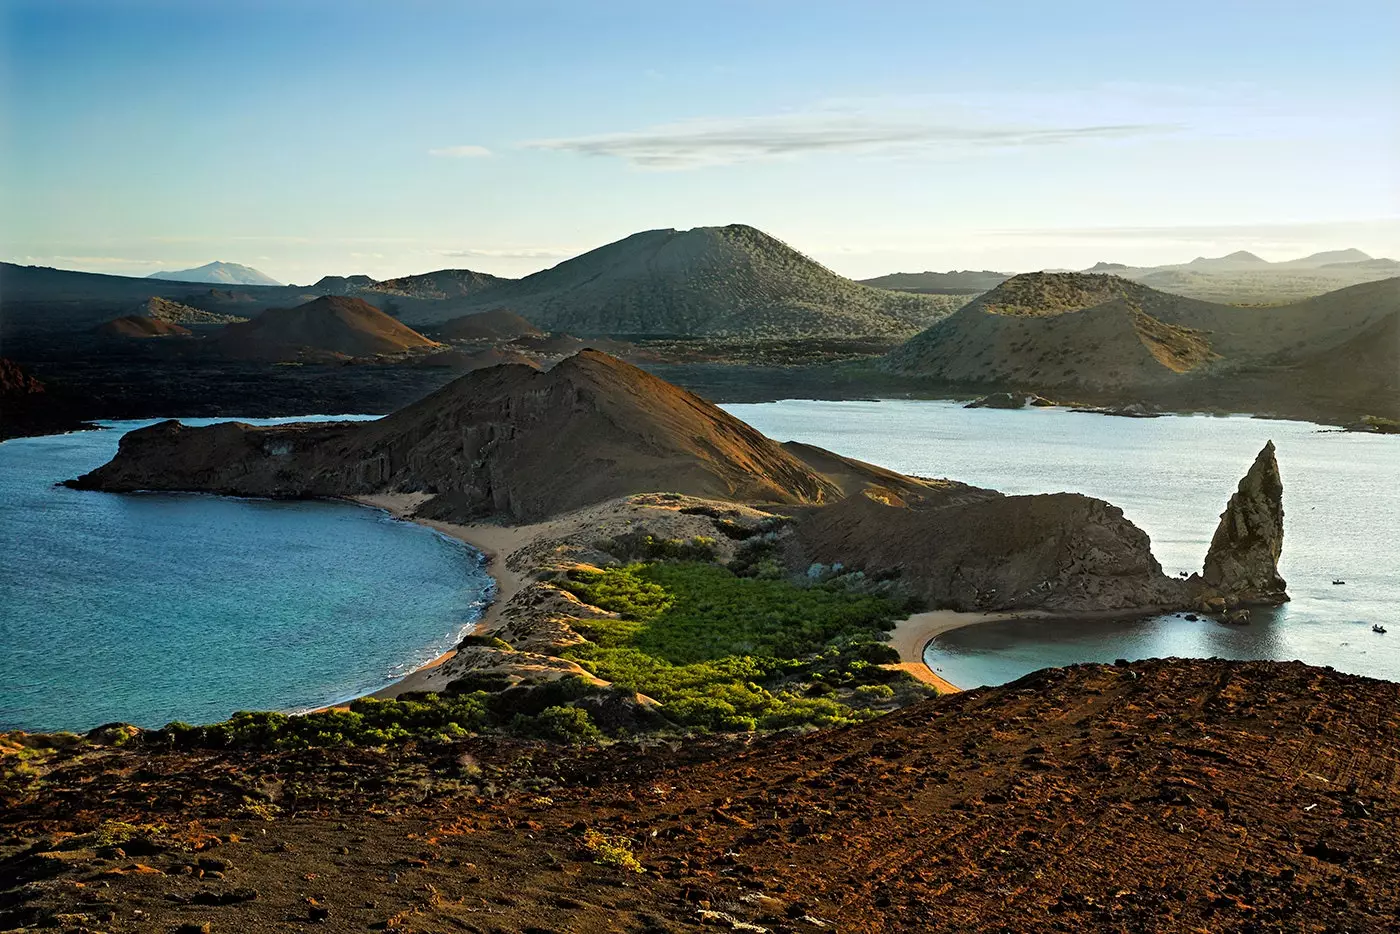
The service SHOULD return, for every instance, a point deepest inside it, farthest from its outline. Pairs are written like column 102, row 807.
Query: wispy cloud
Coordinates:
column 522, row 253
column 460, row 152
column 698, row 143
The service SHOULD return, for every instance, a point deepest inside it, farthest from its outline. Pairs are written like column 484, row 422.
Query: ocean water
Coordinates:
column 1172, row 476
column 152, row 607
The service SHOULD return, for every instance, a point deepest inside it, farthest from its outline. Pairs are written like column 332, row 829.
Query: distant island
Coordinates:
column 219, row 273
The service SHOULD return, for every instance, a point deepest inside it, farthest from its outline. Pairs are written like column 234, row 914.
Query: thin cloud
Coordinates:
column 540, row 253
column 460, row 152
column 698, row 143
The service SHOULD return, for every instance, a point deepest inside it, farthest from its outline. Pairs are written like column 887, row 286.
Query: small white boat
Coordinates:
column 1378, row 628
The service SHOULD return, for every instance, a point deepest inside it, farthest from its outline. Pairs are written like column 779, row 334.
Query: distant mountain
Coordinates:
column 333, row 325
column 709, row 281
column 1328, row 258
column 1057, row 330
column 342, row 285
column 1062, row 334
column 442, row 284
column 500, row 324
column 1241, row 277
column 1240, row 259
column 218, row 272
column 953, row 282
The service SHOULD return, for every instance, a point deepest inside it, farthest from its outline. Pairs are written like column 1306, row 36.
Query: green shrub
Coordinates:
column 559, row 725
column 717, row 649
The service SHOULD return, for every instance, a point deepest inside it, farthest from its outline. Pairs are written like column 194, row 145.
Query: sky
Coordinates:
column 313, row 138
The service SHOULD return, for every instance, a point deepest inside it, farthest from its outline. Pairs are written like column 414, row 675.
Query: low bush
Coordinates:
column 730, row 653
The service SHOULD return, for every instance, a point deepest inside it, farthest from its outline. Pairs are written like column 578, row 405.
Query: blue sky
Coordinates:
column 310, row 138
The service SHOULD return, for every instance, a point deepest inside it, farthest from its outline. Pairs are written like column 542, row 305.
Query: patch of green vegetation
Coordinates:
column 558, row 724
column 643, row 546
column 723, row 652
column 1388, row 426
column 368, row 722
column 538, row 712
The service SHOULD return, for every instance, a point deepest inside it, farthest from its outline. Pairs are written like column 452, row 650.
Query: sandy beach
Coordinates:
column 495, row 542
column 912, row 635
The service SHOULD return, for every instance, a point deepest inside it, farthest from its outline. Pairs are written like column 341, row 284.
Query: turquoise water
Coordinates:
column 1172, row 476
column 153, row 607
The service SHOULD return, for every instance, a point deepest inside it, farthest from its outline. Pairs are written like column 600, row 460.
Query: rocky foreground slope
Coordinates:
column 1168, row 795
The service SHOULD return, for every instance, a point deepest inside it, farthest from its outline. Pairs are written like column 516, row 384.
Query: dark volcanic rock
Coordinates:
column 975, row 549
column 998, row 400
column 1242, row 564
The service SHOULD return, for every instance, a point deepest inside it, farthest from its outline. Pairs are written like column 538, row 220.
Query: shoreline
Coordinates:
column 494, row 542
column 911, row 636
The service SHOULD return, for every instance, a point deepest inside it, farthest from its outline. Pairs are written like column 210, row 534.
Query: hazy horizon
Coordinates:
column 309, row 138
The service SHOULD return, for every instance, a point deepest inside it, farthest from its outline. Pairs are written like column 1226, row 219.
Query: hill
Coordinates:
column 1058, row 330
column 1070, row 332
column 342, row 285
column 219, row 273
column 500, row 324
column 953, row 282
column 442, row 284
column 328, row 325
column 141, row 327
column 163, row 309
column 709, row 281
column 509, row 441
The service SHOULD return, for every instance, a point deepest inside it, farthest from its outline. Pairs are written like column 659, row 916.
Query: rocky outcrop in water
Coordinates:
column 977, row 550
column 1242, row 564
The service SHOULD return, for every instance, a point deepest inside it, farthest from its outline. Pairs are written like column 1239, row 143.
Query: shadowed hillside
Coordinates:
column 329, row 325
column 731, row 280
column 443, row 284
column 1078, row 332
column 141, row 327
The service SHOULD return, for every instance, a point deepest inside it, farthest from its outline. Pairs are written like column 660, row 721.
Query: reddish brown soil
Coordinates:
column 1162, row 796
column 499, row 324
column 332, row 324
column 140, row 327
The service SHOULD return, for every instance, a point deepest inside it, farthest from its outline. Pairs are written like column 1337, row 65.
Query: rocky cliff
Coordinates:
column 971, row 549
column 1242, row 564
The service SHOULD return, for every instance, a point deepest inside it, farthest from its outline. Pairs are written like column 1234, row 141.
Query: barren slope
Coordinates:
column 1160, row 796
column 508, row 441
column 328, row 325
